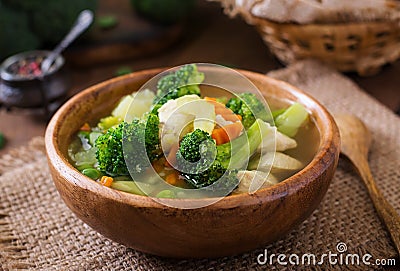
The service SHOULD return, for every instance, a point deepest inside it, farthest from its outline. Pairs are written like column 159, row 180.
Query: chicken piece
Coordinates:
column 252, row 180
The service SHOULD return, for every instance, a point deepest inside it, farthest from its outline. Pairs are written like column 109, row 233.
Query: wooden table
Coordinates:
column 209, row 36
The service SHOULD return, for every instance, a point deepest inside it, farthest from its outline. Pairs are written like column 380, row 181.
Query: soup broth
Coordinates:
column 307, row 139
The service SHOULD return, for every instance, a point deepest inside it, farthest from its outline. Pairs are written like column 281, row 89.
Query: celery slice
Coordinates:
column 291, row 120
column 130, row 187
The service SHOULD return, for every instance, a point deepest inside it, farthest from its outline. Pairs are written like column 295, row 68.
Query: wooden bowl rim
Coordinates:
column 329, row 141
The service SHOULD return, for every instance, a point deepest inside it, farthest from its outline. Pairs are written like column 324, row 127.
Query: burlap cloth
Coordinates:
column 37, row 231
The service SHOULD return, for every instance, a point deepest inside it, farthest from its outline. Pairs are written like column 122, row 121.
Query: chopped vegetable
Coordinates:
column 292, row 119
column 108, row 122
column 85, row 157
column 173, row 179
column 199, row 148
column 85, row 127
column 183, row 82
column 130, row 187
column 220, row 136
column 277, row 112
column 139, row 133
column 92, row 173
column 188, row 112
column 93, row 136
column 106, row 181
column 123, row 106
column 227, row 133
column 249, row 107
column 134, row 106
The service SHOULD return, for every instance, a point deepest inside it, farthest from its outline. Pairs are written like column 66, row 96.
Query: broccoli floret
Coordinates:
column 202, row 162
column 195, row 159
column 183, row 82
column 249, row 107
column 140, row 139
column 196, row 153
column 109, row 152
column 152, row 139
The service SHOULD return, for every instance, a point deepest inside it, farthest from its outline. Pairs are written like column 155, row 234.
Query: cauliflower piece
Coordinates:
column 183, row 115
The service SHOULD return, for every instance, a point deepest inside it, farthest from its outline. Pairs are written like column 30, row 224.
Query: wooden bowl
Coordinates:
column 233, row 225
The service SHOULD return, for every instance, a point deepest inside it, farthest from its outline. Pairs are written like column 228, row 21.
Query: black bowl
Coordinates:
column 32, row 90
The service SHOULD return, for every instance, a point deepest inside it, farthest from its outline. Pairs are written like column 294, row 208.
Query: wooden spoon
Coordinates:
column 356, row 140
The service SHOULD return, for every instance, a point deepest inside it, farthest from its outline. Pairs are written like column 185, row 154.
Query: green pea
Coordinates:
column 166, row 194
column 83, row 166
column 92, row 173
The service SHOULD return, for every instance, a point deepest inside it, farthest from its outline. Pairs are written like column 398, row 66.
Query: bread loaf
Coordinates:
column 315, row 11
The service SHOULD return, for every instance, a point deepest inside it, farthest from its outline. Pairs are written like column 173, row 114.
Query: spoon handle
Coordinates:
column 83, row 21
column 386, row 212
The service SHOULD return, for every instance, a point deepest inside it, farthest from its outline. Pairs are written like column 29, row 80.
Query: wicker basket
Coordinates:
column 362, row 46
column 346, row 41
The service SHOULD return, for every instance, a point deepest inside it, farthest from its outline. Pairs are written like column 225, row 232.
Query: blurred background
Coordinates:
column 132, row 35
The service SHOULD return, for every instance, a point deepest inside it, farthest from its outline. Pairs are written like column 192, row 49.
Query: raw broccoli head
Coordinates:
column 198, row 160
column 183, row 82
column 129, row 144
column 59, row 15
column 31, row 24
column 163, row 11
column 15, row 34
column 249, row 107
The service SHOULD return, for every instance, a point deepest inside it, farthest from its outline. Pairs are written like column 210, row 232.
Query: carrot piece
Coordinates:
column 227, row 133
column 85, row 127
column 209, row 99
column 173, row 179
column 220, row 136
column 106, row 181
column 171, row 158
column 233, row 130
column 239, row 117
